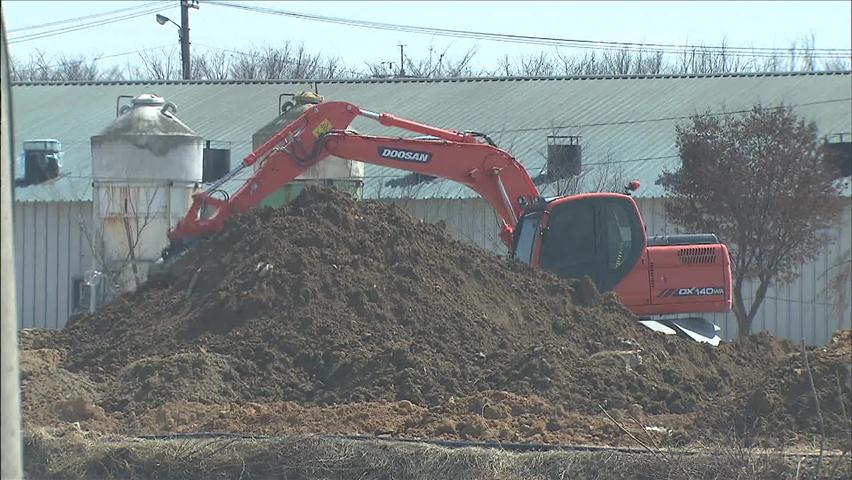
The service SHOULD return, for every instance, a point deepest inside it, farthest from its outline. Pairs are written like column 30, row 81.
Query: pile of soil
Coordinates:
column 331, row 301
column 488, row 416
column 783, row 403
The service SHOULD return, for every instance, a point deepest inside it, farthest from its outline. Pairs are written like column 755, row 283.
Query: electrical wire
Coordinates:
column 806, row 302
column 754, row 52
column 538, row 171
column 665, row 119
column 64, row 30
column 85, row 17
column 102, row 57
column 285, row 61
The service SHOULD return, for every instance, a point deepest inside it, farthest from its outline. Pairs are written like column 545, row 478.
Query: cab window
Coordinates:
column 619, row 236
column 569, row 247
column 526, row 236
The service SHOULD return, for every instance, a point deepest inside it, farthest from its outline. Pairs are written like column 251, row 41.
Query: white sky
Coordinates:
column 760, row 24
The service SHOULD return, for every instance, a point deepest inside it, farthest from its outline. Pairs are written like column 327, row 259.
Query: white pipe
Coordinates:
column 10, row 406
column 506, row 199
column 369, row 114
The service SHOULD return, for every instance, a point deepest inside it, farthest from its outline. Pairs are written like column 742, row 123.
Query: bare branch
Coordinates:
column 760, row 181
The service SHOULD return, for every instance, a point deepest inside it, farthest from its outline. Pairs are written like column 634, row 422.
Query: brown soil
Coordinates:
column 782, row 405
column 332, row 301
column 490, row 416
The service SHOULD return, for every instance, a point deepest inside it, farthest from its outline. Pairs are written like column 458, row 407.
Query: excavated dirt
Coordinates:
column 489, row 416
column 782, row 404
column 331, row 301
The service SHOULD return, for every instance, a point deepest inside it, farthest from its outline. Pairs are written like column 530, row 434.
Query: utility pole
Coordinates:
column 185, row 5
column 11, row 448
column 401, row 60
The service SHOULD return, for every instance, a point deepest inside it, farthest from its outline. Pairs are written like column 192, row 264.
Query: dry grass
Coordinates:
column 78, row 455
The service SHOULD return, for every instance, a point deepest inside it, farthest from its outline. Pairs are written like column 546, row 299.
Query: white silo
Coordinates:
column 145, row 166
column 348, row 175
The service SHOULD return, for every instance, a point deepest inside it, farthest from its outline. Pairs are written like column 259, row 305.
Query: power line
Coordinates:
column 665, row 119
column 767, row 52
column 285, row 61
column 84, row 26
column 85, row 17
column 102, row 57
column 791, row 300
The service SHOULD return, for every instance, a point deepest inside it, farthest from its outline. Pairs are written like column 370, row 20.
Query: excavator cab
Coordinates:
column 601, row 235
column 598, row 235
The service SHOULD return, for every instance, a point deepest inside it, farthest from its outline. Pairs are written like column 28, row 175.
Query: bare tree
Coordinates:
column 761, row 182
column 211, row 66
column 120, row 267
column 287, row 61
column 40, row 67
column 538, row 65
column 284, row 62
column 436, row 65
column 157, row 65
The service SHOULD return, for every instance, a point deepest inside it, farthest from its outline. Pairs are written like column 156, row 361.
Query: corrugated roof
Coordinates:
column 626, row 123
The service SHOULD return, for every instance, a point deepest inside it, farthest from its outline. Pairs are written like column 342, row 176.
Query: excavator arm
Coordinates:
column 321, row 131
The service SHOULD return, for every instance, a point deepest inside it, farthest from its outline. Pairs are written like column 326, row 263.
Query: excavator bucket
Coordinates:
column 695, row 328
column 161, row 271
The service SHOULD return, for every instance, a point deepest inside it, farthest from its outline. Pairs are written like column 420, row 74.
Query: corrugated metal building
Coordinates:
column 626, row 125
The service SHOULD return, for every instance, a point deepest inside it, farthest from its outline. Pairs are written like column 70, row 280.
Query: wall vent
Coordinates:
column 216, row 159
column 839, row 155
column 564, row 156
column 42, row 161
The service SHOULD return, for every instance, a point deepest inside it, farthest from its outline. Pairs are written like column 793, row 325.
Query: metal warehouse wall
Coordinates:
column 50, row 251
column 801, row 309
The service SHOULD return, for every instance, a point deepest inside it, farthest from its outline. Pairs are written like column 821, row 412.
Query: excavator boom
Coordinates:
column 466, row 158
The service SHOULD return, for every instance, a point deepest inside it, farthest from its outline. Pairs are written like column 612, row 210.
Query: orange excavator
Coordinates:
column 599, row 235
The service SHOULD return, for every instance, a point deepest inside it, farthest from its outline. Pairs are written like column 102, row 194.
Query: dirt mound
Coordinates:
column 488, row 416
column 185, row 376
column 51, row 394
column 330, row 300
column 782, row 403
column 333, row 300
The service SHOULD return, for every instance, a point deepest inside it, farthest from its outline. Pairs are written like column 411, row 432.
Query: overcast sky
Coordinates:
column 747, row 24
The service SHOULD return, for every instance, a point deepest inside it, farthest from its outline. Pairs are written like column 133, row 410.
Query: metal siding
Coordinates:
column 620, row 118
column 52, row 268
column 19, row 261
column 469, row 220
column 63, row 260
column 48, row 254
column 39, row 272
column 29, row 253
column 79, row 260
